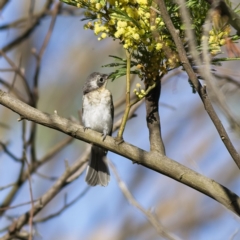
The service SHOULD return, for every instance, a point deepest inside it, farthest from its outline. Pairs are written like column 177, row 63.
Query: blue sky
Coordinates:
column 189, row 135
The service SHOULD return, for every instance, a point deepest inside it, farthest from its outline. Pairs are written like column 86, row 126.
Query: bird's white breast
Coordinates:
column 97, row 111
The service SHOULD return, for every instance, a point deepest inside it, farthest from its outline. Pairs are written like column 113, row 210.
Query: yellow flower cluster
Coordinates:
column 140, row 93
column 141, row 29
column 136, row 26
column 132, row 23
column 217, row 38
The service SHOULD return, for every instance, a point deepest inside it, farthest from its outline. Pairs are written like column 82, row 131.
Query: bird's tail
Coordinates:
column 97, row 169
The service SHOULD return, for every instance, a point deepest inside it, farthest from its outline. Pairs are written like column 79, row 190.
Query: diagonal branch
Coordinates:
column 63, row 208
column 29, row 29
column 39, row 55
column 46, row 198
column 32, row 168
column 151, row 160
column 3, row 4
column 150, row 216
column 197, row 85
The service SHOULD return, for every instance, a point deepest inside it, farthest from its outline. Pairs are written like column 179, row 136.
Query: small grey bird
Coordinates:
column 97, row 114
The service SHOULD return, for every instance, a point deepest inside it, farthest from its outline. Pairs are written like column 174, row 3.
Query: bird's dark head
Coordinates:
column 95, row 81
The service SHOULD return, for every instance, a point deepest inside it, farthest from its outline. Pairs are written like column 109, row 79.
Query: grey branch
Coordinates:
column 46, row 198
column 150, row 216
column 151, row 160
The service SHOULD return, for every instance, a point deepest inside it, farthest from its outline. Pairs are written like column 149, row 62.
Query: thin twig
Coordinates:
column 151, row 218
column 46, row 197
column 31, row 8
column 25, row 34
column 19, row 72
column 32, row 168
column 63, row 208
column 46, row 177
column 15, row 91
column 10, row 154
column 32, row 138
column 17, row 205
column 42, row 50
column 20, row 23
column 24, row 157
column 15, row 76
column 6, row 186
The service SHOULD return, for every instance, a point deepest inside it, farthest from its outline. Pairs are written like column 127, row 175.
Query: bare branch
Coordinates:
column 32, row 168
column 14, row 91
column 10, row 154
column 63, row 208
column 32, row 138
column 46, row 198
column 29, row 29
column 151, row 160
column 151, row 218
column 42, row 50
column 6, row 186
column 20, row 73
column 18, row 205
column 3, row 3
column 24, row 157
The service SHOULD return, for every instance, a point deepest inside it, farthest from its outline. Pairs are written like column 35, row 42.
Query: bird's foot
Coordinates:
column 86, row 128
column 104, row 135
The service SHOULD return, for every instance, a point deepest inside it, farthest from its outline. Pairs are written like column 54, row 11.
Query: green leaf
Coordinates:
column 118, row 58
column 118, row 74
column 114, row 65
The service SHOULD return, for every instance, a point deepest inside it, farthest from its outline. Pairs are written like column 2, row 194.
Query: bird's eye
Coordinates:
column 101, row 80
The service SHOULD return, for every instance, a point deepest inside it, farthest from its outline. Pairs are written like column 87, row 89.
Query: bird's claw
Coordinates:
column 86, row 128
column 104, row 135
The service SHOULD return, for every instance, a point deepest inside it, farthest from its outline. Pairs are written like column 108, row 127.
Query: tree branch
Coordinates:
column 32, row 168
column 197, row 85
column 153, row 119
column 161, row 230
column 46, row 198
column 29, row 29
column 151, row 160
column 64, row 207
column 3, row 4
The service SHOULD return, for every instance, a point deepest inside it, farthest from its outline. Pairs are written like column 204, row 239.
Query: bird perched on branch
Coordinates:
column 97, row 114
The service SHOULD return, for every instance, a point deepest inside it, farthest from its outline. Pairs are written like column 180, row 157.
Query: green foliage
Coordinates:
column 121, row 65
column 141, row 30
